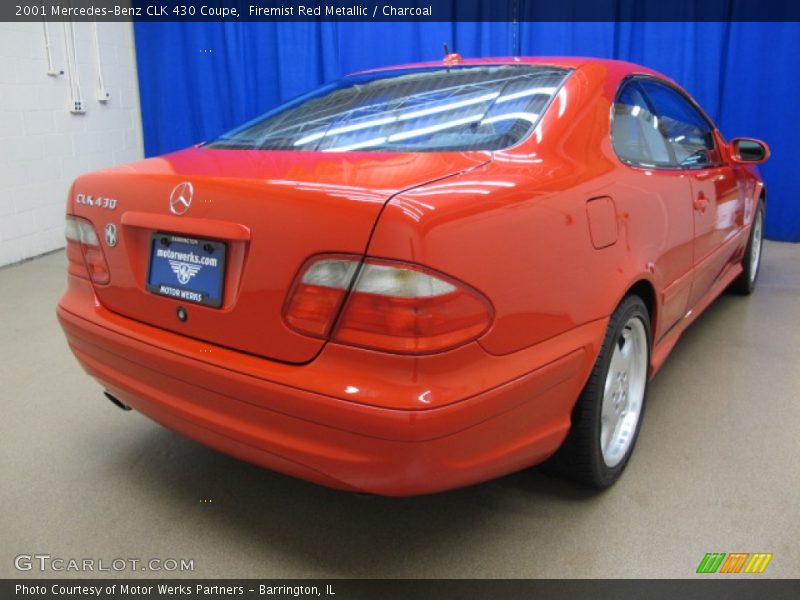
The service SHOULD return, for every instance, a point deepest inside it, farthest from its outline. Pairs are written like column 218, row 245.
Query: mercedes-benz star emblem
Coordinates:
column 111, row 235
column 181, row 198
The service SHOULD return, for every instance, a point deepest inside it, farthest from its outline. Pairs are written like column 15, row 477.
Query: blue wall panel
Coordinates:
column 197, row 80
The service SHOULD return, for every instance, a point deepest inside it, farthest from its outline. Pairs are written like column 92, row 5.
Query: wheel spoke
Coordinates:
column 607, row 409
column 614, row 369
column 626, row 353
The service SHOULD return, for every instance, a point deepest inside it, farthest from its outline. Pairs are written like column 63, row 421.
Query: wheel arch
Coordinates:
column 644, row 289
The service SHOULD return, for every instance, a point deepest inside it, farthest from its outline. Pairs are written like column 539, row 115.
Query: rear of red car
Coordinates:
column 229, row 293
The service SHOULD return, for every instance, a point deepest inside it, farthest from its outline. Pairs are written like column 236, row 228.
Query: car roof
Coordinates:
column 619, row 67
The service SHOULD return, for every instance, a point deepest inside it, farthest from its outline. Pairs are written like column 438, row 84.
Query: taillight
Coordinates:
column 84, row 253
column 386, row 305
column 317, row 296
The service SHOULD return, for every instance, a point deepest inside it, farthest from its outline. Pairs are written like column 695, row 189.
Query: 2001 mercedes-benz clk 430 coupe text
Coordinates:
column 417, row 278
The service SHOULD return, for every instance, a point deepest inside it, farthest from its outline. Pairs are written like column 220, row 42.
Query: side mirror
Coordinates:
column 748, row 151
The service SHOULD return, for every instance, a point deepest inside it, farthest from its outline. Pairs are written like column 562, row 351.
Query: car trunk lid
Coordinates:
column 260, row 214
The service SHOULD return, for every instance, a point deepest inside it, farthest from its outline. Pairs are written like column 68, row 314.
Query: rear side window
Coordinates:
column 688, row 133
column 634, row 130
column 413, row 110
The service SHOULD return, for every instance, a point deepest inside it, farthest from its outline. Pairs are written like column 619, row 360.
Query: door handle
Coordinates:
column 700, row 202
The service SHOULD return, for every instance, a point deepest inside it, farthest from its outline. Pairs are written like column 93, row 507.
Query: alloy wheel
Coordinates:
column 623, row 394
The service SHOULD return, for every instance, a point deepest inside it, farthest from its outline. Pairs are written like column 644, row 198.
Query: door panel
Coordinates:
column 718, row 216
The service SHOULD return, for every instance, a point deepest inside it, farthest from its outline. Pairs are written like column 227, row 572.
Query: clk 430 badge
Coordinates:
column 98, row 201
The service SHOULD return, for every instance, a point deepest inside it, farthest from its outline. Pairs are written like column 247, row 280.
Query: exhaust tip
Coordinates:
column 114, row 400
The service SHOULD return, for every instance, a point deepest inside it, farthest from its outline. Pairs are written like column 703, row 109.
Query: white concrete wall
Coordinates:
column 43, row 147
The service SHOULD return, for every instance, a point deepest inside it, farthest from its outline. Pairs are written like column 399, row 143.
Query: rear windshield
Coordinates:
column 419, row 110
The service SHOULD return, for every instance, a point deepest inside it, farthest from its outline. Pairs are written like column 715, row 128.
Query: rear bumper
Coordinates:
column 417, row 426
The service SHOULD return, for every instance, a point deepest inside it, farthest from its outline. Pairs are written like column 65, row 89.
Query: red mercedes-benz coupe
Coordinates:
column 417, row 278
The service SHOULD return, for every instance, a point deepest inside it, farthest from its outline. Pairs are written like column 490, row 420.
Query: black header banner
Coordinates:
column 400, row 10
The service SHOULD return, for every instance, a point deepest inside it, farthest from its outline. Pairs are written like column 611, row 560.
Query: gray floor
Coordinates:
column 717, row 469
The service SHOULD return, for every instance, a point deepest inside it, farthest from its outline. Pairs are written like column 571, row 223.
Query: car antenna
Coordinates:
column 451, row 59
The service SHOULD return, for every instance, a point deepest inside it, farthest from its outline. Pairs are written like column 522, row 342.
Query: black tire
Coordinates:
column 746, row 282
column 580, row 457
